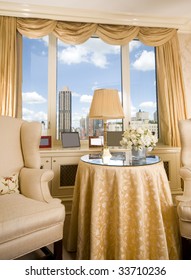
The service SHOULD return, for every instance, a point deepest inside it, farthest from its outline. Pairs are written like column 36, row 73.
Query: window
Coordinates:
column 80, row 70
column 143, row 85
column 35, row 80
column 59, row 80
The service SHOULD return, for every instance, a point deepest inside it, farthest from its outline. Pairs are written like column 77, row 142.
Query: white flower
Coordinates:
column 140, row 130
column 139, row 138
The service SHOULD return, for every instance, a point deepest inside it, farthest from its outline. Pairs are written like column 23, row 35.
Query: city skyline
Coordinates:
column 90, row 127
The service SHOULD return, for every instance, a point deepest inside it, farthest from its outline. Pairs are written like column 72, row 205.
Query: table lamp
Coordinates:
column 106, row 105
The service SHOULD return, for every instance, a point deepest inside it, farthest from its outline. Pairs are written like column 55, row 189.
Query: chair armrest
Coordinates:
column 185, row 173
column 34, row 184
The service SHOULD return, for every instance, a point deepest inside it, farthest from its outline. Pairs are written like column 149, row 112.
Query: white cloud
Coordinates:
column 93, row 51
column 27, row 113
column 85, row 111
column 133, row 111
column 99, row 60
column 31, row 115
column 148, row 104
column 40, row 116
column 134, row 44
column 73, row 54
column 33, row 97
column 145, row 61
column 86, row 98
column 75, row 94
column 45, row 39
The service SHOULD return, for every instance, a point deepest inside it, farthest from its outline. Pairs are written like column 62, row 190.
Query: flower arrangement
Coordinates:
column 139, row 138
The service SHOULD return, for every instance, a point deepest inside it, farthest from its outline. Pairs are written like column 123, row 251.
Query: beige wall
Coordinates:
column 185, row 52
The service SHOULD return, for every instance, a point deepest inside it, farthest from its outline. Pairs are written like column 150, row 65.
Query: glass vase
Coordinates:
column 138, row 154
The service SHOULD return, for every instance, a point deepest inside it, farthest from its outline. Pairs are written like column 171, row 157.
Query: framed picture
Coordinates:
column 45, row 142
column 114, row 138
column 70, row 139
column 95, row 141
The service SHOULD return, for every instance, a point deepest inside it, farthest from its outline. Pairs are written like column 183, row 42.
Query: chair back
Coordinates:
column 19, row 145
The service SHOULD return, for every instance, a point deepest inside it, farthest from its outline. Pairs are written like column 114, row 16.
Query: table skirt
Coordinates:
column 122, row 213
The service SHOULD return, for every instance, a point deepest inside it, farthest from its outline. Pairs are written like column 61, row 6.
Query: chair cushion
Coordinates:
column 9, row 184
column 21, row 216
column 184, row 211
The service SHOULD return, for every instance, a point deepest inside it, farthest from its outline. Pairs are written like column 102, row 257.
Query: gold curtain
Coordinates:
column 10, row 79
column 172, row 104
column 171, row 95
column 169, row 74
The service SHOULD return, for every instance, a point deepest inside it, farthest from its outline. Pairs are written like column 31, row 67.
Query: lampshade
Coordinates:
column 106, row 105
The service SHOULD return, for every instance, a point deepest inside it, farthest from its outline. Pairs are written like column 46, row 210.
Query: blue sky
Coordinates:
column 83, row 68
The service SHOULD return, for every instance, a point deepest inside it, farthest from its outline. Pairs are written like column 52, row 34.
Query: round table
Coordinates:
column 123, row 210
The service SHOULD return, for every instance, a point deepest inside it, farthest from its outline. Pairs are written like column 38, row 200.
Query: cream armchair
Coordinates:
column 30, row 218
column 184, row 201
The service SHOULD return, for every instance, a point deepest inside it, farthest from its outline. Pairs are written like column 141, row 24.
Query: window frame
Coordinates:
column 52, row 103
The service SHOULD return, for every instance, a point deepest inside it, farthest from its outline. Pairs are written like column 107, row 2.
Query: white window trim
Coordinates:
column 125, row 72
column 52, row 112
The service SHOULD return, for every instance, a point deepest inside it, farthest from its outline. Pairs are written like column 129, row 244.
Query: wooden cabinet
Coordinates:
column 64, row 163
column 46, row 162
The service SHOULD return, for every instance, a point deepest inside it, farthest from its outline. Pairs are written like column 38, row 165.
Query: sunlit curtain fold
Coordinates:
column 155, row 36
column 74, row 33
column 169, row 74
column 10, row 81
column 117, row 34
column 35, row 28
column 172, row 106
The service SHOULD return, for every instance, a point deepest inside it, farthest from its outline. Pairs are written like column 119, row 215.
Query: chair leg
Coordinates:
column 56, row 254
column 186, row 248
column 58, row 250
column 47, row 252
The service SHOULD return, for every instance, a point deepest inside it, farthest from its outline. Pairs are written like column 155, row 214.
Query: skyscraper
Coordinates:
column 142, row 116
column 65, row 111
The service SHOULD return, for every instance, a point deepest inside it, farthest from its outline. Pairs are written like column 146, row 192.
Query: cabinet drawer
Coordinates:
column 46, row 163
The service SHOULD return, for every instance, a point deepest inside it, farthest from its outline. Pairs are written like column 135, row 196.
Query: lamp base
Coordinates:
column 106, row 155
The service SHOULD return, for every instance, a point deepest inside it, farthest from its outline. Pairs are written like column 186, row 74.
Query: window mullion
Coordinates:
column 52, row 86
column 125, row 65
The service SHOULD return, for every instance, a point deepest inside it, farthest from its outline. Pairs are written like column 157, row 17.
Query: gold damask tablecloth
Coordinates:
column 123, row 213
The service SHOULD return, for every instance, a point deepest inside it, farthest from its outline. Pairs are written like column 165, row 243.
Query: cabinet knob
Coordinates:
column 54, row 160
column 47, row 160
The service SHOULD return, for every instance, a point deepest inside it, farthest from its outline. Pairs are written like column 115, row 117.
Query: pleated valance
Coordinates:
column 78, row 33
